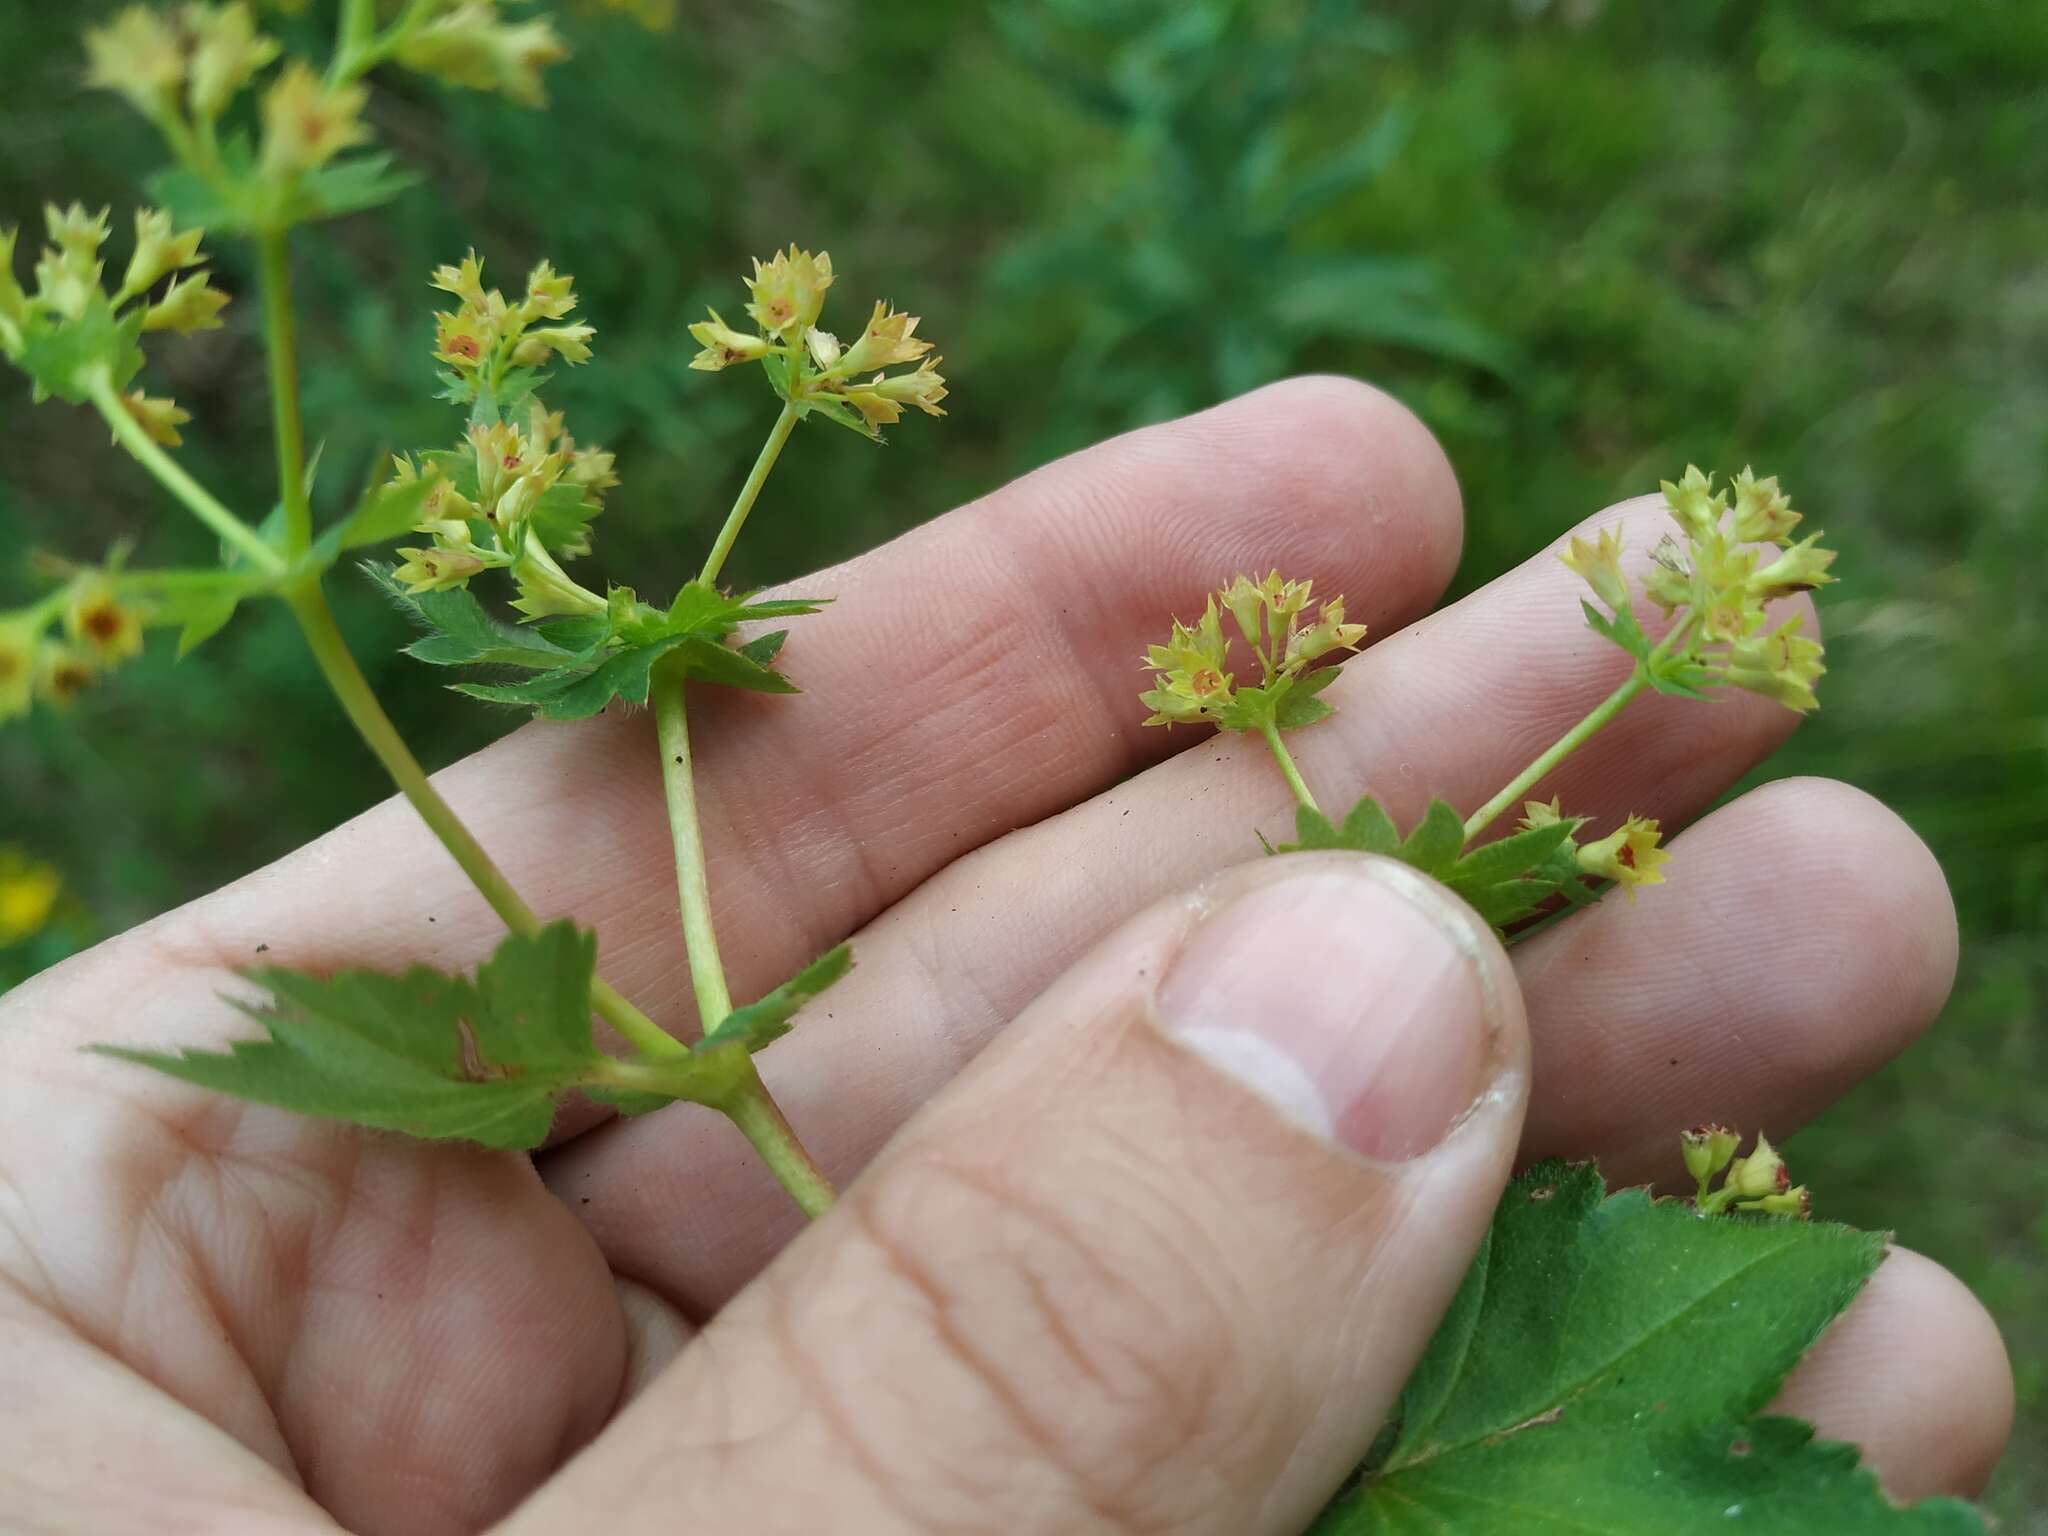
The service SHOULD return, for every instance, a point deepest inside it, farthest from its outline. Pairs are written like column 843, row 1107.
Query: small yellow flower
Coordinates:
column 550, row 295
column 466, row 282
column 227, row 50
column 1629, row 856
column 1761, row 1173
column 1763, row 513
column 571, row 343
column 100, row 625
column 1707, row 1149
column 307, row 123
column 159, row 251
column 1801, row 568
column 28, row 895
column 882, row 398
column 1783, row 665
column 890, row 338
column 1328, row 633
column 189, row 304
column 788, row 292
column 474, row 46
column 159, row 417
column 1599, row 565
column 1694, row 502
column 1540, row 813
column 1192, row 681
column 138, row 56
column 431, row 570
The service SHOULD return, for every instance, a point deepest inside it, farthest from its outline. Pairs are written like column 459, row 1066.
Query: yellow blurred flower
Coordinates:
column 28, row 895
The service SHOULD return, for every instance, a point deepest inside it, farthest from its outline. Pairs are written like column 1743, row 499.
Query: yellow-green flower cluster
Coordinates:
column 1759, row 1182
column 809, row 366
column 56, row 650
column 486, row 335
column 1192, row 678
column 1631, row 855
column 69, row 324
column 516, row 496
column 1738, row 554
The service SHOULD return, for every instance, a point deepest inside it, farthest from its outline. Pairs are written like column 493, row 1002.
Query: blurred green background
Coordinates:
column 1587, row 242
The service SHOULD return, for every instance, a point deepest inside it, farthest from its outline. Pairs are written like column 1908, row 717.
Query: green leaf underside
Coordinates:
column 582, row 663
column 1505, row 881
column 424, row 1052
column 762, row 1023
column 1598, row 1371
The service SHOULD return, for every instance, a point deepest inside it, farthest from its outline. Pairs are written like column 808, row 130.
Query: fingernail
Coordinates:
column 1349, row 998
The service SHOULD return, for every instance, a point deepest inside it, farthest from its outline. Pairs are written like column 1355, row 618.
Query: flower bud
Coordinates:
column 1761, row 1173
column 159, row 251
column 138, row 56
column 474, row 46
column 1789, row 1202
column 1695, row 503
column 62, row 674
column 1800, row 568
column 1707, row 1149
column 1599, row 566
column 1782, row 665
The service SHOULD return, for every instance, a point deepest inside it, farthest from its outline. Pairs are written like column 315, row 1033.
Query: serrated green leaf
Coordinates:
column 1680, row 675
column 1435, row 843
column 58, row 357
column 1369, row 829
column 349, row 186
column 561, row 518
column 763, row 649
column 576, row 692
column 425, row 1052
column 713, row 662
column 1598, row 1373
column 1296, row 704
column 762, row 1023
column 1622, row 629
column 1516, row 854
column 460, row 632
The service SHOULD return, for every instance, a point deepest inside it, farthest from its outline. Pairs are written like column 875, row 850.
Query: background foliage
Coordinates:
column 1586, row 242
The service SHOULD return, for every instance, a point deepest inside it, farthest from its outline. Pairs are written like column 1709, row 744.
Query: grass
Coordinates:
column 1586, row 243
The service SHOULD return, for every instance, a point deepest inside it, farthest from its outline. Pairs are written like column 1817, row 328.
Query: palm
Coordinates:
column 420, row 1334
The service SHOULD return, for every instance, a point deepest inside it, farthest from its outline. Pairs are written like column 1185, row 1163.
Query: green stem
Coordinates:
column 338, row 666
column 756, row 478
column 1285, row 759
column 280, row 344
column 195, row 497
column 761, row 1121
column 1561, row 749
column 693, row 891
column 357, row 58
column 1576, row 737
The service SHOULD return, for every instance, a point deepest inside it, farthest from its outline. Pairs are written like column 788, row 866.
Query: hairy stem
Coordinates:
column 196, row 499
column 754, row 1110
column 281, row 346
column 330, row 651
column 756, row 478
column 693, row 891
column 1285, row 759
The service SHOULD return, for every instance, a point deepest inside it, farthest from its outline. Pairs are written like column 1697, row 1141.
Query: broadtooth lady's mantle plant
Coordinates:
column 1586, row 1315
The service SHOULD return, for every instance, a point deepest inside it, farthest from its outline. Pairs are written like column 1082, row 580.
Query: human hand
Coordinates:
column 1097, row 1283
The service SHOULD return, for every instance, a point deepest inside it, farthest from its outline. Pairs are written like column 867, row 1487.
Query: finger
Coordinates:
column 1806, row 936
column 970, row 677
column 92, row 1446
column 1916, row 1375
column 1453, row 706
column 1071, row 1296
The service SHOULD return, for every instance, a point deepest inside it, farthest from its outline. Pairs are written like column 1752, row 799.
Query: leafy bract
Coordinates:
column 1505, row 881
column 580, row 664
column 763, row 1023
column 240, row 200
column 423, row 1052
column 1600, row 1371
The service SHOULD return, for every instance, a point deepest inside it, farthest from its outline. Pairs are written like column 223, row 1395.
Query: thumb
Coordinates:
column 1160, row 1260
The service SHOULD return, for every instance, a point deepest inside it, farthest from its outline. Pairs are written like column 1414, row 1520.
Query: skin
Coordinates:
column 215, row 1317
